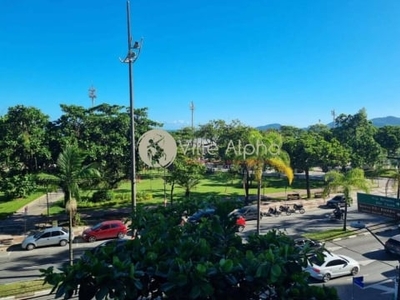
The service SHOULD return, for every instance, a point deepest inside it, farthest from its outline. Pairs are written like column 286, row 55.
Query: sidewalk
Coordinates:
column 22, row 219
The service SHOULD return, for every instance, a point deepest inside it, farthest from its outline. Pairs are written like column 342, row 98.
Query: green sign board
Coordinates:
column 380, row 205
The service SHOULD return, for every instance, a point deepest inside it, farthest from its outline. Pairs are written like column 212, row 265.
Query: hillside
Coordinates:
column 378, row 122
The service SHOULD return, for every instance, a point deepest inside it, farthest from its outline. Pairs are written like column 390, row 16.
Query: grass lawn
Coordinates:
column 330, row 234
column 150, row 190
column 22, row 288
column 8, row 207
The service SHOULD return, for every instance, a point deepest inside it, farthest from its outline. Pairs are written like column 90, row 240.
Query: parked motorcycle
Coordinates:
column 273, row 212
column 298, row 208
column 285, row 209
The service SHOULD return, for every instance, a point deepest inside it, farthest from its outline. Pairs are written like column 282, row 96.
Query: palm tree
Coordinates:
column 268, row 152
column 352, row 179
column 70, row 174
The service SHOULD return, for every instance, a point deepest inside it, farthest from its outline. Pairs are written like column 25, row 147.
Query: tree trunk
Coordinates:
column 307, row 173
column 246, row 183
column 258, row 205
column 71, row 254
column 345, row 216
column 171, row 195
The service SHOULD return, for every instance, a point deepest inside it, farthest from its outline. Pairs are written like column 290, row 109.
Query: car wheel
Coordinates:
column 120, row 235
column 91, row 239
column 326, row 277
column 302, row 211
column 63, row 243
column 354, row 271
column 30, row 247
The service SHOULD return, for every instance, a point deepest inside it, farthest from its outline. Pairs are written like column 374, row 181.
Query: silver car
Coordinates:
column 332, row 266
column 47, row 237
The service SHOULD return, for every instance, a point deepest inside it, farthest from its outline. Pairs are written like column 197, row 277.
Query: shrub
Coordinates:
column 144, row 196
column 102, row 195
column 191, row 262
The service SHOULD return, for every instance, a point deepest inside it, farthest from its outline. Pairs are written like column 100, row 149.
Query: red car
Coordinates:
column 105, row 230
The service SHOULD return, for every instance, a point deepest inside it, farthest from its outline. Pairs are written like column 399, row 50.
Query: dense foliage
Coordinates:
column 31, row 144
column 203, row 261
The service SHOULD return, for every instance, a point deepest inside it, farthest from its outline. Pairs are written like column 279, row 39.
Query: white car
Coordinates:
column 48, row 237
column 332, row 266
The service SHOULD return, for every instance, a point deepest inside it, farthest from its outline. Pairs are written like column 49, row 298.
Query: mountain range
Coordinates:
column 378, row 122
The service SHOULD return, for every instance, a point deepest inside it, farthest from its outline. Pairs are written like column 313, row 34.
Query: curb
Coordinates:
column 389, row 228
column 27, row 295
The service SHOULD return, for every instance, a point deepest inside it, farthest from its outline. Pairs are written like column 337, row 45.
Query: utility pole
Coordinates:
column 192, row 110
column 92, row 94
column 333, row 113
column 191, row 107
column 131, row 57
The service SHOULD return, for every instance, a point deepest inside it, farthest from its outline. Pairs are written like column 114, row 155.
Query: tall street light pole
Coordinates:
column 131, row 57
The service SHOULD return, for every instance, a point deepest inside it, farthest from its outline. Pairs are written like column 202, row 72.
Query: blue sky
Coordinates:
column 259, row 61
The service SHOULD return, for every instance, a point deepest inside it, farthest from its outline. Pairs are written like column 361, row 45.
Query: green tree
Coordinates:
column 103, row 132
column 263, row 149
column 70, row 174
column 23, row 139
column 352, row 179
column 196, row 262
column 357, row 133
column 185, row 172
column 305, row 151
column 24, row 150
column 224, row 139
column 310, row 149
column 389, row 138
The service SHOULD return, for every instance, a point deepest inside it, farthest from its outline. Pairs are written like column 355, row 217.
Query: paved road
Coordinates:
column 18, row 264
column 377, row 268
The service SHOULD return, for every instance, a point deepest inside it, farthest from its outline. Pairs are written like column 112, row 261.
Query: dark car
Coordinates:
column 116, row 244
column 313, row 244
column 105, row 230
column 201, row 214
column 248, row 212
column 392, row 245
column 338, row 200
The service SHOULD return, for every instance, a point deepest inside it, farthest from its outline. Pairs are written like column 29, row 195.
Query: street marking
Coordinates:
column 379, row 286
column 366, row 262
column 334, row 248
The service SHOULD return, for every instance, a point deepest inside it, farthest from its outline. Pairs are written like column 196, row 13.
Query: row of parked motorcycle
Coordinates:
column 285, row 209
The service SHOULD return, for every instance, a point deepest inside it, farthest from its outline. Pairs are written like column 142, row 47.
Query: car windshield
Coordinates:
column 38, row 234
column 337, row 198
column 97, row 226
